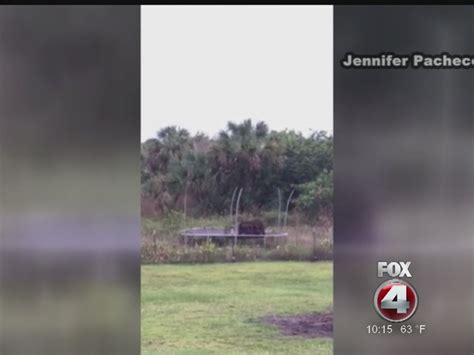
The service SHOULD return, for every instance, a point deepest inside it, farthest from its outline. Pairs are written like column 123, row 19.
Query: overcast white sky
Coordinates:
column 202, row 66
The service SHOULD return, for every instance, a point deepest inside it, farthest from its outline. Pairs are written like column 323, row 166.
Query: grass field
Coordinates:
column 214, row 308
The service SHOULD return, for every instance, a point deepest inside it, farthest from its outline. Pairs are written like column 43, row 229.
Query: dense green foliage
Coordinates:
column 215, row 309
column 180, row 171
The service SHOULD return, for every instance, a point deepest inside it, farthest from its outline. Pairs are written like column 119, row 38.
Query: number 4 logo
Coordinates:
column 395, row 300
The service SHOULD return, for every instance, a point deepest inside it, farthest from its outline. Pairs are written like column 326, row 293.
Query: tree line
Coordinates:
column 199, row 174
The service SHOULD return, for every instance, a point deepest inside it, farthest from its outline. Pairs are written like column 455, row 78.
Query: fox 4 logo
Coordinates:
column 395, row 300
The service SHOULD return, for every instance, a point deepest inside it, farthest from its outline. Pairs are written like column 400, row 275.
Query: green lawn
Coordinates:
column 213, row 308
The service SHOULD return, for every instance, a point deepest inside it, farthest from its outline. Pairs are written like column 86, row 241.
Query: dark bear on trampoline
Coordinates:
column 254, row 227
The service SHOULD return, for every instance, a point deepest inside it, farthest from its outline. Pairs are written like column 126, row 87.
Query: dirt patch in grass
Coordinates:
column 310, row 325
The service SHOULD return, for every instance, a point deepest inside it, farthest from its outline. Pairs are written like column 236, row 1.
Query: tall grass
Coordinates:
column 161, row 242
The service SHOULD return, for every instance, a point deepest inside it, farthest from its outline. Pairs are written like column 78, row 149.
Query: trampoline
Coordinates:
column 223, row 234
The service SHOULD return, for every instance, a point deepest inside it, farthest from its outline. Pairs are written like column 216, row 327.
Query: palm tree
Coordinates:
column 175, row 141
column 238, row 158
